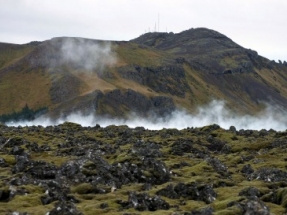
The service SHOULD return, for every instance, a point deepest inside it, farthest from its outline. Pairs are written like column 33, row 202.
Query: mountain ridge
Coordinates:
column 186, row 69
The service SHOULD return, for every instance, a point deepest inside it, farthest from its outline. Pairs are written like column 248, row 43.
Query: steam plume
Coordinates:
column 214, row 113
column 87, row 54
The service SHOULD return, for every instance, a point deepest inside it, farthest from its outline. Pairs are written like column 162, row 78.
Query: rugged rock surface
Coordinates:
column 137, row 103
column 167, row 79
column 143, row 202
column 115, row 103
column 189, row 191
column 69, row 169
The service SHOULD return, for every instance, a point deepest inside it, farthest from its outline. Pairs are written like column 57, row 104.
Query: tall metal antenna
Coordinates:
column 158, row 23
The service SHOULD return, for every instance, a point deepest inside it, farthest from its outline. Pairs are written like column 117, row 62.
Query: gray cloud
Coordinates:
column 256, row 24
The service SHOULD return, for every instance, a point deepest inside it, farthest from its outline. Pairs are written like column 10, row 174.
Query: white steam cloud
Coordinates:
column 214, row 113
column 87, row 54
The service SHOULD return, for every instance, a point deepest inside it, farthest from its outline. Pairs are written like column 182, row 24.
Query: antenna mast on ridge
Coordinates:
column 158, row 23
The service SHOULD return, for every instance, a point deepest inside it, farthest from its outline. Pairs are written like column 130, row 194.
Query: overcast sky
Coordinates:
column 256, row 24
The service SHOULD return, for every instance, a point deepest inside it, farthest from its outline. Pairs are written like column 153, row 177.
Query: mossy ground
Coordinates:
column 257, row 148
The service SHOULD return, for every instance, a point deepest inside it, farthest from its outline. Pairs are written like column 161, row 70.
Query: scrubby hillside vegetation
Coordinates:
column 154, row 73
column 69, row 169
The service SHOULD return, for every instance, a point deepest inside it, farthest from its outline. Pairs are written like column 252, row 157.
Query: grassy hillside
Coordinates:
column 190, row 68
column 11, row 53
column 20, row 88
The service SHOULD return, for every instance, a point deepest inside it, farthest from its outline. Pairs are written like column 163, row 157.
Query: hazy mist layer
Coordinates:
column 215, row 112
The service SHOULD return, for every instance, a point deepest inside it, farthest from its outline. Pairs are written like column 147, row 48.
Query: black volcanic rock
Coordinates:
column 180, row 147
column 65, row 208
column 254, row 206
column 142, row 148
column 116, row 168
column 191, row 191
column 269, row 174
column 143, row 202
column 3, row 162
column 22, row 162
column 250, row 192
column 205, row 211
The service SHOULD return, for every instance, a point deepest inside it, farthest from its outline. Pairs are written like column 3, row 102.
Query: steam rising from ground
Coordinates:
column 87, row 54
column 272, row 117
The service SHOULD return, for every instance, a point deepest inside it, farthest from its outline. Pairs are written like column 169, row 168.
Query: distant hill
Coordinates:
column 152, row 74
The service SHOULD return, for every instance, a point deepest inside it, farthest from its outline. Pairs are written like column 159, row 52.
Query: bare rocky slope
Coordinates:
column 154, row 73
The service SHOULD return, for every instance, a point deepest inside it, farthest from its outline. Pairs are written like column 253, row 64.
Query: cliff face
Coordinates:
column 154, row 73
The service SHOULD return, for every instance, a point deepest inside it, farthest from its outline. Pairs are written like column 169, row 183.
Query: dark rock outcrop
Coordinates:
column 116, row 103
column 269, row 174
column 254, row 206
column 250, row 192
column 167, row 79
column 136, row 102
column 144, row 202
column 205, row 211
column 191, row 191
column 67, row 208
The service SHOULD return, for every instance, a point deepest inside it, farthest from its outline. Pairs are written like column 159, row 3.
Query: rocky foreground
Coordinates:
column 69, row 169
